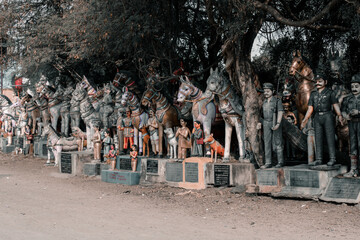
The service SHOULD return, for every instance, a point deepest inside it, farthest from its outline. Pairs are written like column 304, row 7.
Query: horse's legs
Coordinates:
column 161, row 136
column 228, row 132
column 89, row 135
column 240, row 134
column 207, row 131
column 140, row 140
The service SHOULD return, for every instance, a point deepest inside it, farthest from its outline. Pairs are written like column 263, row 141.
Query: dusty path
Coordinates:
column 36, row 202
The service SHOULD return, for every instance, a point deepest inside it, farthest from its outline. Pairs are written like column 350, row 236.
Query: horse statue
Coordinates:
column 231, row 109
column 32, row 109
column 138, row 115
column 166, row 114
column 106, row 106
column 203, row 107
column 6, row 106
column 305, row 76
column 59, row 143
column 87, row 111
column 126, row 79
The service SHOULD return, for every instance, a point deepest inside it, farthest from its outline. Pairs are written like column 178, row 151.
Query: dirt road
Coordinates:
column 37, row 202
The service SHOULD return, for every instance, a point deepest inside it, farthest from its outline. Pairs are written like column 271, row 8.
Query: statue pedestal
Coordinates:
column 3, row 142
column 73, row 162
column 8, row 149
column 302, row 182
column 269, row 180
column 342, row 190
column 120, row 177
column 93, row 169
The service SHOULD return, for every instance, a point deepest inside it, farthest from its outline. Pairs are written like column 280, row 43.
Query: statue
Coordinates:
column 65, row 110
column 128, row 129
column 133, row 156
column 145, row 140
column 172, row 142
column 111, row 157
column 106, row 106
column 215, row 147
column 32, row 109
column 23, row 120
column 153, row 125
column 351, row 112
column 198, row 140
column 96, row 139
column 107, row 142
column 29, row 140
column 320, row 103
column 272, row 111
column 183, row 134
column 231, row 109
column 10, row 130
column 81, row 138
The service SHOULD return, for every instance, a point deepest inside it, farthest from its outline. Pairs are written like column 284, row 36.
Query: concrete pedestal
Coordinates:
column 120, row 177
column 342, row 190
column 73, row 162
column 269, row 180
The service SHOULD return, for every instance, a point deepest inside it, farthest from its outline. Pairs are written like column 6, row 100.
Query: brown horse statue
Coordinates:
column 165, row 113
column 305, row 76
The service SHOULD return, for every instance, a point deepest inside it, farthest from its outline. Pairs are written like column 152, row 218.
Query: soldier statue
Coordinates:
column 351, row 112
column 106, row 106
column 153, row 125
column 272, row 113
column 128, row 129
column 320, row 104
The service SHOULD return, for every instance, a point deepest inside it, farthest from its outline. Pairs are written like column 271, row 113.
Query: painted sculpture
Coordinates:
column 134, row 157
column 183, row 134
column 197, row 136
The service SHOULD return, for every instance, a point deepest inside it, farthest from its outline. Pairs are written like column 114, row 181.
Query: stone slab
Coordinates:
column 75, row 161
column 8, row 149
column 157, row 170
column 123, row 162
column 120, row 177
column 174, row 172
column 65, row 163
column 91, row 169
column 194, row 171
column 221, row 175
column 270, row 180
column 342, row 190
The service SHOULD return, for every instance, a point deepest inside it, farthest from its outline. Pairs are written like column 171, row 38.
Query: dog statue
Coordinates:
column 172, row 142
column 215, row 147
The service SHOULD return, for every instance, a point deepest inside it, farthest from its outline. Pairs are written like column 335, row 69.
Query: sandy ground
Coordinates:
column 37, row 202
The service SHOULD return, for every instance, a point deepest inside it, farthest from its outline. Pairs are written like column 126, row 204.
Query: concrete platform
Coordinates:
column 120, row 177
column 269, row 180
column 73, row 162
column 94, row 169
column 342, row 190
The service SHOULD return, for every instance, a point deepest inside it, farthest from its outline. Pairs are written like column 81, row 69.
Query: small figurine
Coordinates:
column 198, row 140
column 184, row 142
column 111, row 157
column 215, row 147
column 128, row 129
column 153, row 125
column 321, row 102
column 107, row 142
column 172, row 142
column 351, row 112
column 133, row 156
column 272, row 111
column 145, row 137
column 97, row 143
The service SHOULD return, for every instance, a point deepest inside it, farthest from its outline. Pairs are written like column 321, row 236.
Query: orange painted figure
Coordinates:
column 215, row 147
column 128, row 128
column 133, row 156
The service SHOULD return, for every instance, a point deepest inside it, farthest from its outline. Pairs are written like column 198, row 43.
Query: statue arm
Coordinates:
column 309, row 111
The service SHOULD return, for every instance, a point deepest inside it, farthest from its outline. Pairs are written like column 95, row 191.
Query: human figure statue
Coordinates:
column 65, row 110
column 97, row 143
column 111, row 157
column 10, row 131
column 272, row 113
column 107, row 142
column 183, row 133
column 291, row 118
column 198, row 140
column 153, row 125
column 75, row 114
column 128, row 129
column 29, row 140
column 133, row 156
column 23, row 120
column 106, row 106
column 320, row 104
column 351, row 112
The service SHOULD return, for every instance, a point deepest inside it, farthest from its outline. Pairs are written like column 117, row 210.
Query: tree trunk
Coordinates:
column 243, row 77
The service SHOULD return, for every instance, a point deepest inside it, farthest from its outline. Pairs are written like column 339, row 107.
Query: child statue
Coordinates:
column 107, row 142
column 97, row 143
column 198, row 140
column 133, row 156
column 111, row 157
column 184, row 143
column 153, row 125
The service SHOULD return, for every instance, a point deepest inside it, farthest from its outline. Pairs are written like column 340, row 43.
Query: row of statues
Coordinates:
column 122, row 119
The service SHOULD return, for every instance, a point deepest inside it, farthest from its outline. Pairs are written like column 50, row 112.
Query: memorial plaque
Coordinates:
column 221, row 175
column 125, row 164
column 343, row 188
column 191, row 172
column 267, row 177
column 36, row 148
column 304, row 179
column 152, row 166
column 44, row 150
column 174, row 172
column 21, row 142
column 66, row 163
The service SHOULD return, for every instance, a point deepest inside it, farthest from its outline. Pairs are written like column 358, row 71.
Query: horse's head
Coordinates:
column 46, row 130
column 120, row 80
column 79, row 93
column 297, row 63
column 148, row 96
column 185, row 89
column 125, row 96
column 215, row 81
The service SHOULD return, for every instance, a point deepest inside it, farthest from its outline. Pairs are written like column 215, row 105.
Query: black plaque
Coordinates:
column 125, row 164
column 267, row 177
column 66, row 163
column 174, row 172
column 152, row 166
column 304, row 178
column 44, row 150
column 21, row 142
column 36, row 148
column 191, row 172
column 221, row 175
column 343, row 188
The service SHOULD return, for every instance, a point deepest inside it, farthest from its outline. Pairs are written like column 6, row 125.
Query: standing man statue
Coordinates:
column 351, row 112
column 320, row 103
column 272, row 111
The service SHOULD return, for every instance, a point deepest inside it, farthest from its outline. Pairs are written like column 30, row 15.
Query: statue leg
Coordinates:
column 228, row 132
column 67, row 123
column 240, row 134
column 140, row 141
column 207, row 132
column 161, row 138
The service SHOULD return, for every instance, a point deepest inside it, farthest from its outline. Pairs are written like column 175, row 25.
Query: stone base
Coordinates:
column 342, row 190
column 73, row 162
column 8, row 149
column 120, row 177
column 153, row 170
column 302, row 182
column 269, row 180
column 93, row 169
column 194, row 169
